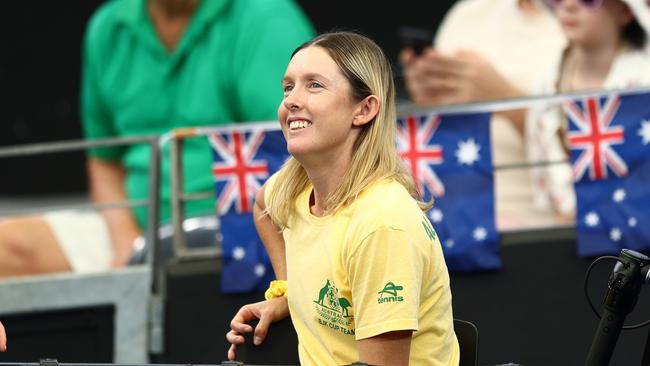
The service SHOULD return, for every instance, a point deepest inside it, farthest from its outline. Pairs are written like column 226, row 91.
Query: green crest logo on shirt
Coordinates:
column 390, row 289
column 333, row 310
column 329, row 298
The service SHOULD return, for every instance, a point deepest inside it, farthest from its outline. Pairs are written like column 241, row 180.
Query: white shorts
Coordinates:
column 84, row 239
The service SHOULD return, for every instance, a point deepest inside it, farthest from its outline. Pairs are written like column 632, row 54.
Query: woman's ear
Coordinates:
column 367, row 110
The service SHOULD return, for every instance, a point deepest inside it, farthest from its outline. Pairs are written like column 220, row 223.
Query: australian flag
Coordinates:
column 244, row 157
column 449, row 157
column 609, row 139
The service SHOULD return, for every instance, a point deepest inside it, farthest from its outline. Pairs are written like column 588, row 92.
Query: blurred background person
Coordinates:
column 150, row 66
column 606, row 50
column 491, row 49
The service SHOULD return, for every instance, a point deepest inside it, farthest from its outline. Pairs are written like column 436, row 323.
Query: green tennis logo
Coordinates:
column 390, row 289
column 429, row 229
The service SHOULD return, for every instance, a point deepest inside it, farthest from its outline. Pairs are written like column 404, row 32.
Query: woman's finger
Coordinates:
column 232, row 352
column 262, row 329
column 238, row 322
column 240, row 327
column 235, row 338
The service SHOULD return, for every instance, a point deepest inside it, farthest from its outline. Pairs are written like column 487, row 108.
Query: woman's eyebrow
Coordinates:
column 308, row 76
column 315, row 75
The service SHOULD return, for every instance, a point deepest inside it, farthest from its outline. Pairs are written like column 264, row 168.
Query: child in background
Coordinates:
column 606, row 50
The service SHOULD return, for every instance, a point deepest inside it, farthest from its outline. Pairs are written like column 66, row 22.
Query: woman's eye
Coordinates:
column 287, row 88
column 315, row 84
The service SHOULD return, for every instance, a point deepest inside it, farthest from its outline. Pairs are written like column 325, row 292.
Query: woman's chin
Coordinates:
column 297, row 149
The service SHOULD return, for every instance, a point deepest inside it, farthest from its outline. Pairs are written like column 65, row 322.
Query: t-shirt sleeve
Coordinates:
column 386, row 272
column 95, row 115
column 273, row 31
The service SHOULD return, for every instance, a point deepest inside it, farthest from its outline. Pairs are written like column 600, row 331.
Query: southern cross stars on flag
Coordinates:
column 449, row 158
column 610, row 138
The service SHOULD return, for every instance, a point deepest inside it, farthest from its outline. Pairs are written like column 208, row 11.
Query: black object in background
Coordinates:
column 39, row 93
column 81, row 335
column 197, row 318
column 281, row 337
column 416, row 39
column 534, row 312
column 623, row 286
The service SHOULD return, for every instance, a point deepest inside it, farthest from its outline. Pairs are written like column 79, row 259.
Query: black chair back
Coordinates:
column 467, row 335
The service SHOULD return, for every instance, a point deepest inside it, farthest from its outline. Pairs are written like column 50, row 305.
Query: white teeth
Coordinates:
column 294, row 125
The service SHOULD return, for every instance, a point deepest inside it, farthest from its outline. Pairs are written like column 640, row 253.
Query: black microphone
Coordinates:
column 629, row 274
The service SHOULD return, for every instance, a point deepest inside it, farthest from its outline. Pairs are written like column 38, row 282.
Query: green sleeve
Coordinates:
column 95, row 116
column 271, row 34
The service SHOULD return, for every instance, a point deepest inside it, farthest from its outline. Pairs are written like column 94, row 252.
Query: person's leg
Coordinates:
column 28, row 246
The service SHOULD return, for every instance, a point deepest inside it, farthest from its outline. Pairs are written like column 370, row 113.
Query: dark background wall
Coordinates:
column 40, row 69
column 39, row 84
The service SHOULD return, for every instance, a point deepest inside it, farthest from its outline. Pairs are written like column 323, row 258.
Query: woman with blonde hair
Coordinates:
column 365, row 274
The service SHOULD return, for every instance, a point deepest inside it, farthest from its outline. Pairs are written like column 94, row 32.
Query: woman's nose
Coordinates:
column 293, row 100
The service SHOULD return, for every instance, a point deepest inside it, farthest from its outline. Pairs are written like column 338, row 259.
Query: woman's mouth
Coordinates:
column 299, row 124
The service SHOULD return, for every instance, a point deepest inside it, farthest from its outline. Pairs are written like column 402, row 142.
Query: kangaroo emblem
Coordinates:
column 323, row 292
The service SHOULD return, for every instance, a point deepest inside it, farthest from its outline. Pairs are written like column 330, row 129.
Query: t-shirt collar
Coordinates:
column 134, row 15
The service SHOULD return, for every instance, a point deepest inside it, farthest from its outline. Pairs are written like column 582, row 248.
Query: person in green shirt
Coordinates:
column 150, row 66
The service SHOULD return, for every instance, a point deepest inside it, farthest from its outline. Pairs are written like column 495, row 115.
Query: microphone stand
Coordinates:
column 623, row 291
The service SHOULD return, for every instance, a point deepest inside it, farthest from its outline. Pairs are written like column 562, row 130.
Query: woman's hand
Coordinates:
column 268, row 311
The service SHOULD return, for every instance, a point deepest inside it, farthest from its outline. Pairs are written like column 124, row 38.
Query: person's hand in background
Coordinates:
column 435, row 78
column 3, row 338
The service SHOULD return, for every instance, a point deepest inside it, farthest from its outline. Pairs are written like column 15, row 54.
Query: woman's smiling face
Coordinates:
column 317, row 111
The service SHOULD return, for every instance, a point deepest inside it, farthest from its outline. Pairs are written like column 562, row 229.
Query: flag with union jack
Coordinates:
column 609, row 139
column 245, row 155
column 450, row 159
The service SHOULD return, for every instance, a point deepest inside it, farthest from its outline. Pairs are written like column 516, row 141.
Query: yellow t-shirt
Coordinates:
column 375, row 266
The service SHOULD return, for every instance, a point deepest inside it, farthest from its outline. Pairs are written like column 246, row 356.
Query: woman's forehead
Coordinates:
column 312, row 60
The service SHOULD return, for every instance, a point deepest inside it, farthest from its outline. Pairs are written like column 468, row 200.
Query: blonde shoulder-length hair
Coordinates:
column 374, row 155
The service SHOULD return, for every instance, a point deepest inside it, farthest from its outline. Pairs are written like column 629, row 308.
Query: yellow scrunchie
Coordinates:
column 276, row 288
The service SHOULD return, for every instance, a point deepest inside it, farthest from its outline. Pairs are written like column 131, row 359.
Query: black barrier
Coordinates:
column 84, row 334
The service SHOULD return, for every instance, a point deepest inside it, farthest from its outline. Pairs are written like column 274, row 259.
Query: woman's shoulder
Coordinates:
column 386, row 201
column 389, row 189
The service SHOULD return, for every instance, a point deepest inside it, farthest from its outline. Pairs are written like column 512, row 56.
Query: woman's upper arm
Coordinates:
column 259, row 199
column 391, row 348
